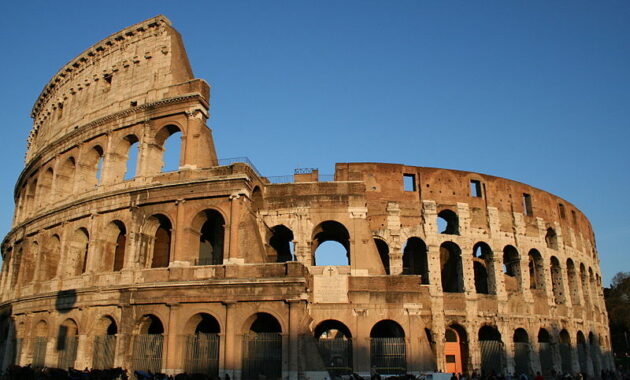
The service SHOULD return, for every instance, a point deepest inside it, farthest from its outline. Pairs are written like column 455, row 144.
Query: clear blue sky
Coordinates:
column 536, row 91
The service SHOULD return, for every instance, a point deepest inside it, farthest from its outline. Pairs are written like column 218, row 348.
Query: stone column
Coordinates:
column 171, row 357
column 361, row 343
column 474, row 350
column 393, row 226
column 84, row 352
column 295, row 307
column 95, row 245
column 508, row 343
column 235, row 209
column 111, row 161
column 414, row 335
column 439, row 331
column 232, row 347
column 197, row 144
column 150, row 158
column 534, row 354
column 435, row 272
column 565, row 285
column 182, row 252
column 468, row 272
column 499, row 281
column 524, row 275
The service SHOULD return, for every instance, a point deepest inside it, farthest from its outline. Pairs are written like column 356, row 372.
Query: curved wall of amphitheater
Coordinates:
column 213, row 267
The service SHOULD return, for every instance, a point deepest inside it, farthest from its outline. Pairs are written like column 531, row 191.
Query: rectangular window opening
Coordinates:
column 527, row 204
column 562, row 212
column 450, row 358
column 409, row 182
column 574, row 216
column 475, row 188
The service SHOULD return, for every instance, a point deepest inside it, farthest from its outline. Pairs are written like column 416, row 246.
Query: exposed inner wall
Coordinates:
column 500, row 205
column 135, row 66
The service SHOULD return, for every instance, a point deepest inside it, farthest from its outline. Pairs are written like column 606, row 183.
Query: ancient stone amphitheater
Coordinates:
column 213, row 267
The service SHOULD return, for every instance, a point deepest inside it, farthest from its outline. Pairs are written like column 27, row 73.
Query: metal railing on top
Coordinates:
column 277, row 178
column 230, row 161
column 289, row 178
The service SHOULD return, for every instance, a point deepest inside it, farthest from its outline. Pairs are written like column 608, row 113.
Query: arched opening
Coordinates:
column 492, row 351
column 104, row 343
column 521, row 351
column 557, row 281
column 334, row 344
column 281, row 241
column 448, row 222
column 451, row 268
column 593, row 288
column 132, row 153
column 16, row 260
column 21, row 205
column 40, row 343
column 119, row 250
column 511, row 268
column 50, row 262
column 582, row 349
column 565, row 351
column 455, row 349
column 387, row 348
column 257, row 198
column 27, row 267
column 211, row 239
column 31, row 197
column 536, row 270
column 383, row 253
column 331, row 244
column 551, row 238
column 92, row 167
column 78, row 258
column 114, row 238
column 162, row 242
column 574, row 285
column 65, row 178
column 483, row 267
column 596, row 354
column 67, row 343
column 172, row 148
column 262, row 348
column 45, row 190
column 545, row 352
column 415, row 260
column 148, row 344
column 202, row 345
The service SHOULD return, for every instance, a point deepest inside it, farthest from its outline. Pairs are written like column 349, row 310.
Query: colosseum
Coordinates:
column 213, row 268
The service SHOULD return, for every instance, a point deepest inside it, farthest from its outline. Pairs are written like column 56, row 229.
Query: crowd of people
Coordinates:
column 619, row 374
column 30, row 373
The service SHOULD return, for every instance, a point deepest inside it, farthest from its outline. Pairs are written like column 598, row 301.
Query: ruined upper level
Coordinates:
column 135, row 67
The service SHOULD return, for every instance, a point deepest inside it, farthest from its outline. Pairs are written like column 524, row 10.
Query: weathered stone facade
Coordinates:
column 212, row 267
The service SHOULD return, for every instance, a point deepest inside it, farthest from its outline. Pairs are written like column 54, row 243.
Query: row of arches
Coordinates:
column 415, row 261
column 552, row 353
column 262, row 345
column 201, row 341
column 82, row 169
column 448, row 223
column 154, row 246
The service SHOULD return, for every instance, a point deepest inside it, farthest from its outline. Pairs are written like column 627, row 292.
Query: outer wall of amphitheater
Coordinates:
column 213, row 268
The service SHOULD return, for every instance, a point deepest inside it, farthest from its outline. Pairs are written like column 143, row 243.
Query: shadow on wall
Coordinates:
column 65, row 300
column 9, row 344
